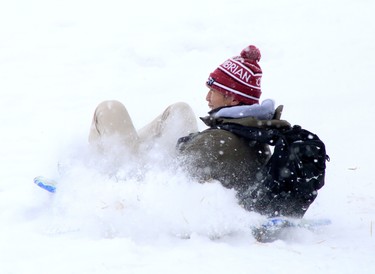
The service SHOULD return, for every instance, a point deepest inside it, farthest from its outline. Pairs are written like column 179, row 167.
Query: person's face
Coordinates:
column 216, row 99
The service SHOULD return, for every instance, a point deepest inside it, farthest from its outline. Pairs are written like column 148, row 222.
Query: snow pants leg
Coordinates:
column 111, row 123
column 176, row 121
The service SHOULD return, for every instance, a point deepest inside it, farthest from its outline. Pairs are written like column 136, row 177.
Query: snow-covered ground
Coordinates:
column 59, row 59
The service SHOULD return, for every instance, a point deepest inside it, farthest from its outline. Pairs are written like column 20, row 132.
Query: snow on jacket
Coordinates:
column 221, row 155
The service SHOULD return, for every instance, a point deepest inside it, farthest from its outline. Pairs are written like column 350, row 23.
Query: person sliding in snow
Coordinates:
column 215, row 153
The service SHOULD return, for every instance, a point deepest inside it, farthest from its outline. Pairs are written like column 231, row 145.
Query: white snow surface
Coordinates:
column 59, row 59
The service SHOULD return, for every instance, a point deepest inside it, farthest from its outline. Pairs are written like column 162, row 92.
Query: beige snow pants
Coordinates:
column 113, row 129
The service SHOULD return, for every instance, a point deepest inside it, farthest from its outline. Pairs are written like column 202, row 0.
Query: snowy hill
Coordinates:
column 59, row 59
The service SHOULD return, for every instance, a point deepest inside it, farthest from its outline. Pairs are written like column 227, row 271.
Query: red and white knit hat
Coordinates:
column 239, row 76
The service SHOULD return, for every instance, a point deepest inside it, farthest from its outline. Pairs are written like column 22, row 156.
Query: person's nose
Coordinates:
column 208, row 96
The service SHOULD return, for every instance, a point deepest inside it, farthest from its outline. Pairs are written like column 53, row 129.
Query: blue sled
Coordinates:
column 273, row 228
column 45, row 183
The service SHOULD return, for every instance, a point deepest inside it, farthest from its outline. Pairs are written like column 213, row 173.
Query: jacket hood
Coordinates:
column 258, row 115
column 263, row 111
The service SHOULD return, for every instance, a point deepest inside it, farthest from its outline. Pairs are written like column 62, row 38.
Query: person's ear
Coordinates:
column 235, row 102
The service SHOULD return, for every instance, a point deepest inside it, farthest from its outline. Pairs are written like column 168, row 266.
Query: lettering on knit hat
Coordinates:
column 241, row 73
column 210, row 81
